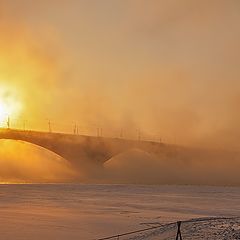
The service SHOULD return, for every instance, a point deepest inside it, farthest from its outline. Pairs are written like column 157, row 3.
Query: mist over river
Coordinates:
column 119, row 115
column 21, row 162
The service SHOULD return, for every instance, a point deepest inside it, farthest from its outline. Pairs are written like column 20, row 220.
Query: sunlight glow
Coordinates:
column 4, row 113
column 10, row 106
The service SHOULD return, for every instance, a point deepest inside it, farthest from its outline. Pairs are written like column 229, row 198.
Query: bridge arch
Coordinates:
column 79, row 149
column 36, row 147
column 25, row 162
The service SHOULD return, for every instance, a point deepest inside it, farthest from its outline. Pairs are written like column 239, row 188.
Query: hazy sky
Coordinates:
column 168, row 67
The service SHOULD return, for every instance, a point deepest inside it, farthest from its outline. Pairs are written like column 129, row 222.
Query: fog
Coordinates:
column 184, row 167
column 21, row 162
column 166, row 69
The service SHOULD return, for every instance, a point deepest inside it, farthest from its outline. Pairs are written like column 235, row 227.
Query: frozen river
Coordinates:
column 75, row 211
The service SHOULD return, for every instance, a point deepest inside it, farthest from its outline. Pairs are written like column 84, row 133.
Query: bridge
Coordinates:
column 79, row 149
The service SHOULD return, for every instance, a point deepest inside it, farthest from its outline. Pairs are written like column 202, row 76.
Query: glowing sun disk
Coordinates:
column 9, row 108
column 4, row 113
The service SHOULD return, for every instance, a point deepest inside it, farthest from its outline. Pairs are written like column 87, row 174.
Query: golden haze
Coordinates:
column 165, row 68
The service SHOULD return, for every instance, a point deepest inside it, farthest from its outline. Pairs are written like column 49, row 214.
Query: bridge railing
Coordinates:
column 92, row 129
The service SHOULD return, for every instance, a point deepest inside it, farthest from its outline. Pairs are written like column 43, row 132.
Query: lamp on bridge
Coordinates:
column 8, row 122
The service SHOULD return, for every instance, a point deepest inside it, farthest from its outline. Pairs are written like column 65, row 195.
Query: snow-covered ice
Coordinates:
column 78, row 211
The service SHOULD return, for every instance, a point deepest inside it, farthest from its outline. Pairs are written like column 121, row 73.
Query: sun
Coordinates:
column 10, row 106
column 4, row 113
column 8, row 109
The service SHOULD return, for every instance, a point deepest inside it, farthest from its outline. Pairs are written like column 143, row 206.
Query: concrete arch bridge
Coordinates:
column 79, row 149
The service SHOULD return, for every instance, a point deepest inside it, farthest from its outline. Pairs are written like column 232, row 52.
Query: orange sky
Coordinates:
column 170, row 68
